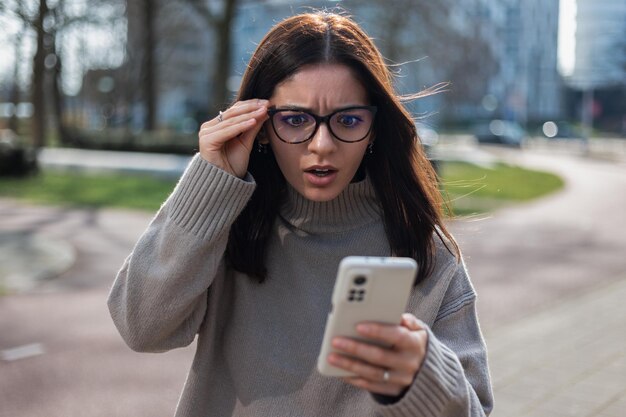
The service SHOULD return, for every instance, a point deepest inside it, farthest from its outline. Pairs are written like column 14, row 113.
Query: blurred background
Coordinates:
column 72, row 70
column 100, row 103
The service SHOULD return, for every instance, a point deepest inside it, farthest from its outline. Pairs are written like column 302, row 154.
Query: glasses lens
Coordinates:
column 351, row 125
column 293, row 126
column 348, row 125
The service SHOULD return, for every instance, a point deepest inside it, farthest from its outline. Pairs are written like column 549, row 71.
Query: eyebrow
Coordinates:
column 293, row 107
column 309, row 110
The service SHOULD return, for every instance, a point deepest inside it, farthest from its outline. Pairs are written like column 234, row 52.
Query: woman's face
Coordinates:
column 320, row 168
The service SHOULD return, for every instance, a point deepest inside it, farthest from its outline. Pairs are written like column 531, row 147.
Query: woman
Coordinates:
column 316, row 160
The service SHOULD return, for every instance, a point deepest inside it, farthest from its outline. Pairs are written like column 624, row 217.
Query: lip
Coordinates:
column 328, row 167
column 320, row 181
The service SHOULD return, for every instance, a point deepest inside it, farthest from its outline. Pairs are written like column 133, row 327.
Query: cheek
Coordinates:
column 358, row 155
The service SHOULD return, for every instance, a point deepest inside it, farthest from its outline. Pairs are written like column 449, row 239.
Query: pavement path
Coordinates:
column 555, row 247
column 551, row 279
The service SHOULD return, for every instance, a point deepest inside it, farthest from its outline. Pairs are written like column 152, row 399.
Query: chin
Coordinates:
column 320, row 195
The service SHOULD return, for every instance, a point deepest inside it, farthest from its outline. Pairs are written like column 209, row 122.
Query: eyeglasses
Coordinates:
column 293, row 125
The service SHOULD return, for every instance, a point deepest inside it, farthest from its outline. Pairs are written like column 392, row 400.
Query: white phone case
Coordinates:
column 367, row 289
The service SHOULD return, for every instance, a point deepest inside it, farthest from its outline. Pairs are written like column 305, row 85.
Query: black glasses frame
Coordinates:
column 321, row 119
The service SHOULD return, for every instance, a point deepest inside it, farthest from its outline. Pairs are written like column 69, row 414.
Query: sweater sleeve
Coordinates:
column 454, row 378
column 159, row 297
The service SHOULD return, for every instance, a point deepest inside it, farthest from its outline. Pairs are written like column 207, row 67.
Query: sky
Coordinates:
column 101, row 47
column 567, row 38
column 566, row 48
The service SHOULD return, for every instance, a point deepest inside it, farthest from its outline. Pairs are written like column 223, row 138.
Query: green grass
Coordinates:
column 129, row 191
column 475, row 189
column 471, row 189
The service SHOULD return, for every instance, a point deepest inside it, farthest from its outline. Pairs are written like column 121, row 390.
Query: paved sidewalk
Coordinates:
column 164, row 165
column 550, row 275
column 569, row 360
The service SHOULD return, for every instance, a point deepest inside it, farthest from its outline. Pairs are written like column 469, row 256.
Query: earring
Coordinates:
column 261, row 147
column 370, row 148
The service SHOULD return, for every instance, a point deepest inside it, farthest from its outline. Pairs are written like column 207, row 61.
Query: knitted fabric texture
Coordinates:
column 258, row 342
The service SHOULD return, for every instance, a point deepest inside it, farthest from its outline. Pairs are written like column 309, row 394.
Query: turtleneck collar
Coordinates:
column 356, row 206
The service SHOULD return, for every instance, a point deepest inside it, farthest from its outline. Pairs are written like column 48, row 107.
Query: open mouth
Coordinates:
column 320, row 172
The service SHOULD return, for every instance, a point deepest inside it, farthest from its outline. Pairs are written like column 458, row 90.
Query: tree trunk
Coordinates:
column 38, row 83
column 219, row 93
column 59, row 105
column 15, row 88
column 149, row 69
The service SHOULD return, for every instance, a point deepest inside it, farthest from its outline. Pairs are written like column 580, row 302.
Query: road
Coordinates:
column 551, row 248
column 522, row 260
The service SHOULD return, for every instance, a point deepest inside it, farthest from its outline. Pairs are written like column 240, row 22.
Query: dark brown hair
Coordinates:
column 398, row 169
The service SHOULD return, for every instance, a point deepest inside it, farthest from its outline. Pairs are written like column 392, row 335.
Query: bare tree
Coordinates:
column 15, row 87
column 411, row 30
column 149, row 69
column 39, row 73
column 47, row 19
column 218, row 17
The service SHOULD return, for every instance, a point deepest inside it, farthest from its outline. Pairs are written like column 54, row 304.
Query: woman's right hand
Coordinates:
column 227, row 143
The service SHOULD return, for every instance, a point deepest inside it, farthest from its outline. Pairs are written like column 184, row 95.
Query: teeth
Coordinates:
column 320, row 172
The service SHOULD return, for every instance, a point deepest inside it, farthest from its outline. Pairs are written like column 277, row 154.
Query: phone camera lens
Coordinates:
column 360, row 280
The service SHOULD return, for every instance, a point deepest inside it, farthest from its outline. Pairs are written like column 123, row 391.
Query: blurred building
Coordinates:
column 183, row 55
column 600, row 44
column 598, row 80
column 499, row 55
column 181, row 63
column 520, row 40
column 533, row 84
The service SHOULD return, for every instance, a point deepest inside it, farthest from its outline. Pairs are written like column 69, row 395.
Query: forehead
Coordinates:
column 321, row 87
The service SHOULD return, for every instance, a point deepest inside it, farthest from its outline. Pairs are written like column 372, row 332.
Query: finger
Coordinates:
column 219, row 138
column 375, row 355
column 212, row 133
column 255, row 101
column 247, row 138
column 411, row 322
column 237, row 109
column 375, row 387
column 370, row 372
column 418, row 330
column 393, row 335
column 209, row 128
column 243, row 107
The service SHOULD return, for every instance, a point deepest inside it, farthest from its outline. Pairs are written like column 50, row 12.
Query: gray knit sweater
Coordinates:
column 258, row 343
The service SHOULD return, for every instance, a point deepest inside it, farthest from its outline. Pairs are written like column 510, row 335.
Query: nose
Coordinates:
column 323, row 141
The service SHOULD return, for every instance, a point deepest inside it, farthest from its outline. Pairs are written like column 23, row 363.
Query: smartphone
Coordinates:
column 374, row 289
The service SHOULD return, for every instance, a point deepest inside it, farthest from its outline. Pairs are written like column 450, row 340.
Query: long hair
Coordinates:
column 402, row 176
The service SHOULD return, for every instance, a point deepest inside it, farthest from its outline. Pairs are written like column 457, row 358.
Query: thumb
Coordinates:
column 248, row 137
column 411, row 322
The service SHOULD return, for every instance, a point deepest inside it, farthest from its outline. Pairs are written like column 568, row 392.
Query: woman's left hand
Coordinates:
column 387, row 371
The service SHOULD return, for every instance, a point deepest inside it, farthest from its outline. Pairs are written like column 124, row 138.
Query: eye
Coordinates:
column 295, row 120
column 348, row 120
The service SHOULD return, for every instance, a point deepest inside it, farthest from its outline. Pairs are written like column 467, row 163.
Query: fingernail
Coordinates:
column 364, row 328
column 332, row 358
column 340, row 343
column 262, row 102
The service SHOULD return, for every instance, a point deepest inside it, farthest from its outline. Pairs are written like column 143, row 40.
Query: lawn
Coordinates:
column 476, row 189
column 128, row 191
column 470, row 188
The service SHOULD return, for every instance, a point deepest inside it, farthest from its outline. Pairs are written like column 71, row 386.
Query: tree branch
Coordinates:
column 203, row 10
